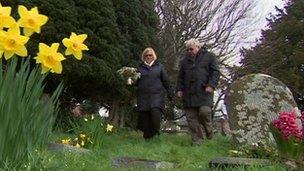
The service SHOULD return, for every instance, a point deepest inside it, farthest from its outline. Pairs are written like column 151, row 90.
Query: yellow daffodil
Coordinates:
column 75, row 45
column 66, row 141
column 30, row 20
column 11, row 42
column 5, row 19
column 77, row 145
column 82, row 136
column 109, row 127
column 82, row 143
column 49, row 58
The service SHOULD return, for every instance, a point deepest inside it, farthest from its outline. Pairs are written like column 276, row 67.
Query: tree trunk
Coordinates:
column 113, row 113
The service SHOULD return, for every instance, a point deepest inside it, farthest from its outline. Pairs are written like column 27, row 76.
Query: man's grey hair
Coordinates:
column 194, row 42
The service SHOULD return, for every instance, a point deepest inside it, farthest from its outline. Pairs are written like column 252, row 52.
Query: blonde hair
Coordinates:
column 194, row 42
column 146, row 51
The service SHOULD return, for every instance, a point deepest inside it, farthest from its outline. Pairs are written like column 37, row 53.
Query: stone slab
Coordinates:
column 57, row 147
column 129, row 162
column 224, row 162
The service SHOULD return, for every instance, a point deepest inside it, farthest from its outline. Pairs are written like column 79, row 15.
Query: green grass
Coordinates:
column 171, row 148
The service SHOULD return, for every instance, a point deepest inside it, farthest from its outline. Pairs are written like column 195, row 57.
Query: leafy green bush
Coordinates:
column 26, row 120
column 93, row 127
column 64, row 120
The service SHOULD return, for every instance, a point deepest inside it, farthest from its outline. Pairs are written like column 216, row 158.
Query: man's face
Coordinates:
column 192, row 50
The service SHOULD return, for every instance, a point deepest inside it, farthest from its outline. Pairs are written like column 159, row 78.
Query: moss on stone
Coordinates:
column 253, row 102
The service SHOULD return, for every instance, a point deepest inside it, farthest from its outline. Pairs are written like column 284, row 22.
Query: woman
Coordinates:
column 150, row 93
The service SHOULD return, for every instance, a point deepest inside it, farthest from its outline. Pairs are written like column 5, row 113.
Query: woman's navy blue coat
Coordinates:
column 151, row 86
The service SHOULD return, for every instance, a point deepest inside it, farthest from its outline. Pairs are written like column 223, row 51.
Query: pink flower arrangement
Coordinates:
column 286, row 124
column 288, row 136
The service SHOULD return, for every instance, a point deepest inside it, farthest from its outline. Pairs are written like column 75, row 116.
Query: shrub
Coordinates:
column 91, row 130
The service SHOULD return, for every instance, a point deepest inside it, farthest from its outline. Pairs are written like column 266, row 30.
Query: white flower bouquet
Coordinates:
column 130, row 73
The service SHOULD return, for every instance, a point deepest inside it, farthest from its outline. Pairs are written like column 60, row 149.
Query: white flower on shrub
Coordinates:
column 103, row 112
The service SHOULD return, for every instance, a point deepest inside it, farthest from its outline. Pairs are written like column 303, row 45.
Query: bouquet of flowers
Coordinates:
column 288, row 136
column 130, row 73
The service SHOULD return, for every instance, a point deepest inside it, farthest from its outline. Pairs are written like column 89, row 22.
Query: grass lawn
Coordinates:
column 171, row 148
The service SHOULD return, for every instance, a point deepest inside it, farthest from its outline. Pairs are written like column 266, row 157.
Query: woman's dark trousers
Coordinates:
column 149, row 122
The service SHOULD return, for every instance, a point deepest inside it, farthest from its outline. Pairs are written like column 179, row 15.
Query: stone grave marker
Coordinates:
column 130, row 162
column 228, row 162
column 57, row 147
column 253, row 101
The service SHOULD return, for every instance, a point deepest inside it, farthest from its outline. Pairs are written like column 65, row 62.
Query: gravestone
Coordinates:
column 229, row 162
column 57, row 147
column 130, row 162
column 253, row 101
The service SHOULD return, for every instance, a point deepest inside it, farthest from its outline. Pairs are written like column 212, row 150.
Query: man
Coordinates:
column 198, row 76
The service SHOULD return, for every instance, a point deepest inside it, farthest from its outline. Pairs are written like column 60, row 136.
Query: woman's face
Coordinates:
column 149, row 57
